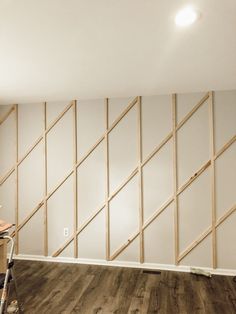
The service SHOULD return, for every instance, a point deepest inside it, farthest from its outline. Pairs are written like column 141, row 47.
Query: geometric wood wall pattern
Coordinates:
column 140, row 169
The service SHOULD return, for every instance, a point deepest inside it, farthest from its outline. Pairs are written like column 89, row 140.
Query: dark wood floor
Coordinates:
column 71, row 288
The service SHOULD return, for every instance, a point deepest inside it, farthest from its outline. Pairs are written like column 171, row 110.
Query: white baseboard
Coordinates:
column 180, row 268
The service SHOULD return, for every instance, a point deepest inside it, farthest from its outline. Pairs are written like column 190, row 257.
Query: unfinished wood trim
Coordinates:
column 89, row 152
column 70, row 105
column 59, row 251
column 175, row 180
column 45, row 214
column 50, row 194
column 34, row 211
column 84, row 225
column 123, row 114
column 107, row 179
column 194, row 177
column 195, row 108
column 225, row 215
column 30, row 149
column 7, row 114
column 157, row 212
column 75, row 181
column 195, row 243
column 225, row 147
column 213, row 198
column 140, row 179
column 127, row 243
column 156, row 150
column 16, row 182
column 123, row 184
column 7, row 175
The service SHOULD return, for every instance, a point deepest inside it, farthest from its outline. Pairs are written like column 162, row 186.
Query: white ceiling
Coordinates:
column 67, row 49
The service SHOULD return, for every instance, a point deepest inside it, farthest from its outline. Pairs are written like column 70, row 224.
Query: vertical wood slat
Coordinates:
column 45, row 182
column 175, row 181
column 140, row 179
column 213, row 205
column 107, row 180
column 75, row 180
column 16, row 183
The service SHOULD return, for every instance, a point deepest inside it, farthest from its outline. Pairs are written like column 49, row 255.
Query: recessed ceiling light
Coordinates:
column 186, row 16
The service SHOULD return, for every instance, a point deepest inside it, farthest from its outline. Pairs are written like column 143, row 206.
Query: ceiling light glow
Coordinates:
column 186, row 17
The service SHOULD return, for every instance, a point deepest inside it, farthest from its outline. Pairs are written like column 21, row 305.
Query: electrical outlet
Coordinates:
column 66, row 232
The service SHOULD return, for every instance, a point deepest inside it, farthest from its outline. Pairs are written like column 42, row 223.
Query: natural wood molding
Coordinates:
column 157, row 212
column 225, row 215
column 107, row 179
column 123, row 184
column 175, row 180
column 45, row 214
column 213, row 198
column 194, row 177
column 31, row 214
column 127, row 243
column 7, row 175
column 75, row 178
column 140, row 178
column 195, row 108
column 156, row 150
column 225, row 147
column 195, row 243
column 7, row 114
column 16, row 182
column 123, row 114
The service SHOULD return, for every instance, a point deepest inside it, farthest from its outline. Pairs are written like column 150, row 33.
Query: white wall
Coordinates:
column 43, row 232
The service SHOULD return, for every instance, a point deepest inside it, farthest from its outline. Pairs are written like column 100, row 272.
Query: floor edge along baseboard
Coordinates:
column 151, row 266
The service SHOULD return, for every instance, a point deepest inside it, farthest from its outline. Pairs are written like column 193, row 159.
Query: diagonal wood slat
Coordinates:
column 7, row 114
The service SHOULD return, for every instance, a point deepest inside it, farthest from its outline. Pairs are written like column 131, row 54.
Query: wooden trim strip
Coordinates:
column 225, row 147
column 140, row 180
column 157, row 212
column 59, row 185
column 89, row 152
column 107, row 179
column 123, row 114
column 59, row 117
column 156, row 150
column 7, row 114
column 126, row 181
column 34, row 211
column 84, row 225
column 30, row 149
column 195, row 108
column 75, row 181
column 175, row 182
column 195, row 243
column 16, row 183
column 213, row 205
column 59, row 251
column 121, row 249
column 225, row 216
column 7, row 175
column 194, row 177
column 45, row 182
